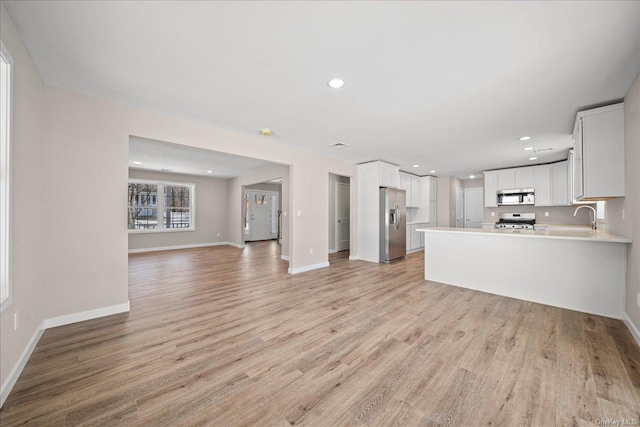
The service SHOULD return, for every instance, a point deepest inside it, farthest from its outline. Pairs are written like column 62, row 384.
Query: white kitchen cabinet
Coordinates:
column 415, row 191
column 506, row 179
column 415, row 239
column 559, row 184
column 524, row 177
column 433, row 188
column 599, row 162
column 389, row 175
column 490, row 189
column 405, row 184
column 542, row 185
column 408, row 245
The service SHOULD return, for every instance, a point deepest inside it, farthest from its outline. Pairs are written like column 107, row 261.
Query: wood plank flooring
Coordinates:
column 225, row 337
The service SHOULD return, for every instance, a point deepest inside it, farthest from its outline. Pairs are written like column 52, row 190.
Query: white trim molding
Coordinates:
column 632, row 328
column 235, row 245
column 171, row 248
column 333, row 251
column 284, row 257
column 86, row 315
column 308, row 267
column 353, row 258
column 15, row 372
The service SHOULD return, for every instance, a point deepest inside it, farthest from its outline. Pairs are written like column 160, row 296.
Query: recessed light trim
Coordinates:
column 432, row 171
column 266, row 131
column 209, row 171
column 416, row 166
column 533, row 158
column 137, row 163
column 525, row 138
column 528, row 149
column 336, row 83
column 472, row 176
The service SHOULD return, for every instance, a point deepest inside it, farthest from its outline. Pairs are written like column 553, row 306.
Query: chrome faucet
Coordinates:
column 593, row 223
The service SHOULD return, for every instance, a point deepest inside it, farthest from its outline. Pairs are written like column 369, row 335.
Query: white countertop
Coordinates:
column 579, row 233
column 417, row 222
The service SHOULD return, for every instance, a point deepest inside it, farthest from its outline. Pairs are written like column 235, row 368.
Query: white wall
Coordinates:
column 630, row 204
column 210, row 213
column 28, row 208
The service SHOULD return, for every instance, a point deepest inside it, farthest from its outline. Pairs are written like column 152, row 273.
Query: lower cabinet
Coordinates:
column 415, row 239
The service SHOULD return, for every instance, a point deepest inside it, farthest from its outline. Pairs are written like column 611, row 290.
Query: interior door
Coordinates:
column 459, row 208
column 343, row 216
column 259, row 215
column 473, row 206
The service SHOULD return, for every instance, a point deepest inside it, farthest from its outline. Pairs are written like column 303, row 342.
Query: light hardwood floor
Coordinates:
column 225, row 337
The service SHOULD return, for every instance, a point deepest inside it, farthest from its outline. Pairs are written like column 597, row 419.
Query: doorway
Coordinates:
column 473, row 207
column 459, row 208
column 339, row 213
column 261, row 215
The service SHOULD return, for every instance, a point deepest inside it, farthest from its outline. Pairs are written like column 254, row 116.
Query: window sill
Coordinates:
column 168, row 230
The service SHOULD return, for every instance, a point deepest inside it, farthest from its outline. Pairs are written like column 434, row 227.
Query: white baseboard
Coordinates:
column 284, row 257
column 632, row 328
column 308, row 268
column 86, row 315
column 15, row 372
column 235, row 245
column 171, row 248
column 333, row 251
column 353, row 258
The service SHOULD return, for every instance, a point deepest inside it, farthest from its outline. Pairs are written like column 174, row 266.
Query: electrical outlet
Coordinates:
column 218, row 234
column 285, row 213
column 16, row 321
column 299, row 213
column 310, row 251
column 623, row 214
column 493, row 214
column 546, row 214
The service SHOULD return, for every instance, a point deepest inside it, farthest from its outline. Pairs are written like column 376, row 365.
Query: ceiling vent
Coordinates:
column 339, row 145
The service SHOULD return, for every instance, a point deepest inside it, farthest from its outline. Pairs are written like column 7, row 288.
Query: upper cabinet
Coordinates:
column 411, row 184
column 490, row 189
column 598, row 153
column 550, row 183
column 389, row 175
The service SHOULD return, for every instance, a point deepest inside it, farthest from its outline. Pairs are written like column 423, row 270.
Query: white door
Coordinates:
column 259, row 215
column 459, row 209
column 343, row 215
column 473, row 205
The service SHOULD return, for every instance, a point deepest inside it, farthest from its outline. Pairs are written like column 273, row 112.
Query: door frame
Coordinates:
column 336, row 218
column 251, row 192
column 460, row 209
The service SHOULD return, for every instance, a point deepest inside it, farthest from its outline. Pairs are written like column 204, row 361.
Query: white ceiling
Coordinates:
column 447, row 85
column 174, row 158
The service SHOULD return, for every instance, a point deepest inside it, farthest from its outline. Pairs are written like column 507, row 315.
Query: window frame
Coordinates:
column 6, row 191
column 160, row 206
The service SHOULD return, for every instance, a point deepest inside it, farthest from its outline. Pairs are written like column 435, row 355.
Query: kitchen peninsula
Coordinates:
column 581, row 270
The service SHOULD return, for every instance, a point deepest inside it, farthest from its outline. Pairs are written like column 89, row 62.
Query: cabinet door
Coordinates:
column 542, row 185
column 506, row 179
column 490, row 189
column 570, row 166
column 405, row 184
column 578, row 190
column 433, row 216
column 559, row 188
column 433, row 189
column 415, row 237
column 389, row 176
column 422, row 235
column 408, row 246
column 415, row 191
column 524, row 177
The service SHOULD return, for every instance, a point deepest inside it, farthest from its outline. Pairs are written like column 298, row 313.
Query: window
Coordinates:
column 160, row 206
column 6, row 79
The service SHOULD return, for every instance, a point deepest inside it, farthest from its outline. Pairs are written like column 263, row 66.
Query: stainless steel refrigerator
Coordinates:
column 393, row 224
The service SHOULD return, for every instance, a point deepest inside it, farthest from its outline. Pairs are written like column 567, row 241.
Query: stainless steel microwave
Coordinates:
column 517, row 196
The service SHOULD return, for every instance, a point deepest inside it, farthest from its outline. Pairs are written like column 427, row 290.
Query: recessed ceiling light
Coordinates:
column 266, row 132
column 209, row 171
column 416, row 166
column 533, row 158
column 472, row 176
column 137, row 163
column 336, row 83
column 432, row 171
column 525, row 138
column 528, row 149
